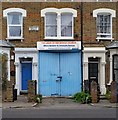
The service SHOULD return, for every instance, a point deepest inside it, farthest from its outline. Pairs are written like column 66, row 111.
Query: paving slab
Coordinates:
column 55, row 103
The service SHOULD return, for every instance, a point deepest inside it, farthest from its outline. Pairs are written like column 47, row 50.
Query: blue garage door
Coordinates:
column 59, row 73
column 26, row 74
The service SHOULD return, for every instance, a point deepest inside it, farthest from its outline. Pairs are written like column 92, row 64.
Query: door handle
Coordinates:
column 59, row 77
column 58, row 80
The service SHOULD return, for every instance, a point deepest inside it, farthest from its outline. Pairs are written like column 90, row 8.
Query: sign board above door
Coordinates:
column 59, row 45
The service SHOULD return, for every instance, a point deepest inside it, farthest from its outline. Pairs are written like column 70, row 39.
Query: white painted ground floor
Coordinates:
column 94, row 61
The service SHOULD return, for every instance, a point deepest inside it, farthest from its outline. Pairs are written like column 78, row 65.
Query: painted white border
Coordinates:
column 6, row 11
column 26, row 53
column 59, row 12
column 104, row 10
column 95, row 52
column 5, row 14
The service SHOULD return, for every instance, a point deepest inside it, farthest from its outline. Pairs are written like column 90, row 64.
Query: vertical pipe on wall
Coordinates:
column 81, row 15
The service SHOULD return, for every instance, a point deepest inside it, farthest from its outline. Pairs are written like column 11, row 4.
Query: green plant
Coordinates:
column 108, row 94
column 38, row 98
column 82, row 97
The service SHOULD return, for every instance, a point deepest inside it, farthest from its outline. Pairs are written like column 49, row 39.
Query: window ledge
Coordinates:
column 59, row 38
column 14, row 38
column 100, row 38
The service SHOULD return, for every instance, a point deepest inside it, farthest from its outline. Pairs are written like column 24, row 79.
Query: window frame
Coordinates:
column 6, row 13
column 110, row 34
column 58, row 12
column 103, row 11
column 48, row 37
column 10, row 25
column 114, row 69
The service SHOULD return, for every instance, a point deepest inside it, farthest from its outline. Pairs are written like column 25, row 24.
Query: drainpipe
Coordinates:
column 81, row 15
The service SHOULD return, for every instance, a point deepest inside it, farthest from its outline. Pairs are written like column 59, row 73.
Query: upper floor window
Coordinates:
column 104, row 23
column 14, row 22
column 59, row 23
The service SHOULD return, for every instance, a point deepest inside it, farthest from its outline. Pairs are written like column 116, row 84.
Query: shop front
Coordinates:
column 59, row 68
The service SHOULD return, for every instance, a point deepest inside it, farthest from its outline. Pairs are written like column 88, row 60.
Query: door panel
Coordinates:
column 71, row 73
column 26, row 74
column 52, row 67
column 93, row 71
column 49, row 70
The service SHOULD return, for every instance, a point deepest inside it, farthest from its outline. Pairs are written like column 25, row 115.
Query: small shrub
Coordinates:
column 38, row 98
column 82, row 97
column 108, row 94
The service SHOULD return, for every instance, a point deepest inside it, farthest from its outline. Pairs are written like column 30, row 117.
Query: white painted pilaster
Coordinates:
column 17, row 85
column 102, row 78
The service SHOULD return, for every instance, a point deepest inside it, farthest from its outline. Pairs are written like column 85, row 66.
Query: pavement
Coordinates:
column 55, row 103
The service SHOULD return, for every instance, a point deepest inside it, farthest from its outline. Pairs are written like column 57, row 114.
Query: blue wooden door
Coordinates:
column 26, row 74
column 59, row 73
column 48, row 72
column 70, row 64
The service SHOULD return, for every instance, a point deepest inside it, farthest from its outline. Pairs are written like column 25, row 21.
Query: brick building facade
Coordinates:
column 36, row 44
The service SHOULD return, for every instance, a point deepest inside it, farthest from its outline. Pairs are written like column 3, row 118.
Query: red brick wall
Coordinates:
column 34, row 18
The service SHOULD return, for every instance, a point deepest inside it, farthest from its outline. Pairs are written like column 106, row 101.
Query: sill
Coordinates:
column 104, row 39
column 59, row 38
column 14, row 38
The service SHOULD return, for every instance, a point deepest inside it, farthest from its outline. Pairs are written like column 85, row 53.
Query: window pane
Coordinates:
column 116, row 62
column 116, row 75
column 104, row 24
column 115, row 67
column 66, row 24
column 15, row 31
column 14, row 18
column 51, row 24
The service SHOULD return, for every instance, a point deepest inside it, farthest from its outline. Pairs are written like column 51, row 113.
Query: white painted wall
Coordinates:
column 25, row 53
column 95, row 52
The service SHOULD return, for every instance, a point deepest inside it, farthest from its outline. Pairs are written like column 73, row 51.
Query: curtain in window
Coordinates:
column 66, row 24
column 14, row 23
column 51, row 24
column 14, row 18
column 15, row 31
column 104, row 24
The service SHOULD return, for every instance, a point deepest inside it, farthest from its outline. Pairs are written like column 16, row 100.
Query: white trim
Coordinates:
column 26, row 53
column 6, row 11
column 25, row 49
column 94, row 52
column 94, row 49
column 59, row 11
column 112, row 52
column 18, row 10
column 104, row 10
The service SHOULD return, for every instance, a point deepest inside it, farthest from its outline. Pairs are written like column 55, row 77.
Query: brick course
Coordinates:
column 34, row 18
